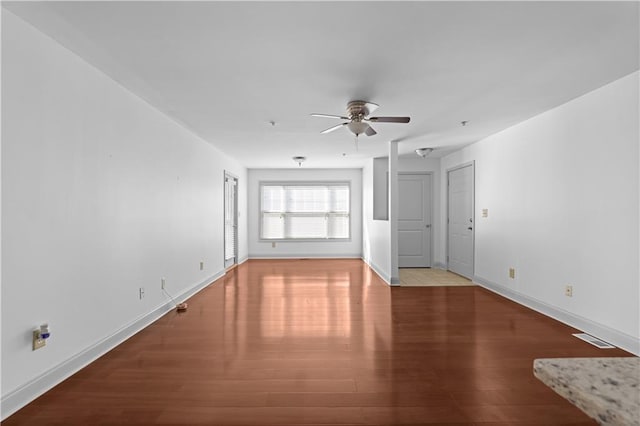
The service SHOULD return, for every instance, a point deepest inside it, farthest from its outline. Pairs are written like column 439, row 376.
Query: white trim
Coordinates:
column 601, row 331
column 15, row 400
column 378, row 271
column 439, row 265
column 305, row 256
column 306, row 240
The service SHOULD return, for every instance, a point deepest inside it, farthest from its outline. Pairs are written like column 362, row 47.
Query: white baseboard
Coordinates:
column 385, row 277
column 439, row 265
column 26, row 393
column 305, row 256
column 602, row 332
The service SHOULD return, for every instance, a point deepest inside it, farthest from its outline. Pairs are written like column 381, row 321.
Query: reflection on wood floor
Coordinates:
column 301, row 342
column 431, row 277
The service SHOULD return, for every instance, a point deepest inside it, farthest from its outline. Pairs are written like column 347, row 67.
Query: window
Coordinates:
column 302, row 211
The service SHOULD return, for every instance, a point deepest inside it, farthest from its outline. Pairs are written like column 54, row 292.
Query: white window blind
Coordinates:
column 304, row 211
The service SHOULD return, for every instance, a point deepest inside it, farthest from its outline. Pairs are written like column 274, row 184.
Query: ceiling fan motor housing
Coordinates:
column 358, row 110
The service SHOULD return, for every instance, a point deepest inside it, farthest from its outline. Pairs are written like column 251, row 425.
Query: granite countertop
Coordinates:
column 607, row 389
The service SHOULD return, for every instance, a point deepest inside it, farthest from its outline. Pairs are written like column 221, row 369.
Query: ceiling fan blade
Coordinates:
column 331, row 129
column 390, row 119
column 370, row 131
column 330, row 116
column 370, row 106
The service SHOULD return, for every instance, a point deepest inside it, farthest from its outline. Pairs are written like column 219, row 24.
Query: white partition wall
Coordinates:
column 376, row 233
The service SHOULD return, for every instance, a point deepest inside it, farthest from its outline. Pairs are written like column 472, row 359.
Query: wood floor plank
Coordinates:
column 309, row 342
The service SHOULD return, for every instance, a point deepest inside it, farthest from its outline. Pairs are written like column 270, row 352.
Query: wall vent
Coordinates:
column 594, row 341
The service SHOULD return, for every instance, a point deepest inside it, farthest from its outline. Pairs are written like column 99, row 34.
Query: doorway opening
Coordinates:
column 230, row 221
column 460, row 220
column 414, row 220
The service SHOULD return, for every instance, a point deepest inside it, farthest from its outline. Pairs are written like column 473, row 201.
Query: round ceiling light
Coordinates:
column 423, row 152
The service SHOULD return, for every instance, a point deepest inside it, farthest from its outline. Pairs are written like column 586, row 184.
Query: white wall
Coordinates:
column 376, row 233
column 101, row 195
column 562, row 194
column 264, row 249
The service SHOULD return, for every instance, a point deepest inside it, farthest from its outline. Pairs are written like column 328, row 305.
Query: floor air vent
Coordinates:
column 595, row 342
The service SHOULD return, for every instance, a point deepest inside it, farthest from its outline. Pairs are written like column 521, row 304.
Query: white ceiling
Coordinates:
column 226, row 69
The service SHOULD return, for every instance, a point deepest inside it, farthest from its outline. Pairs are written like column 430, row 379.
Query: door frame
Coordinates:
column 430, row 174
column 228, row 175
column 471, row 163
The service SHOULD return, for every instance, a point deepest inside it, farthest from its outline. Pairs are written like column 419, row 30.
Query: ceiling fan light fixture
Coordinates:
column 357, row 119
column 357, row 127
column 299, row 159
column 423, row 152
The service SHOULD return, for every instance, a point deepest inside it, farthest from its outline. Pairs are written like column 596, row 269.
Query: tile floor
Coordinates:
column 431, row 277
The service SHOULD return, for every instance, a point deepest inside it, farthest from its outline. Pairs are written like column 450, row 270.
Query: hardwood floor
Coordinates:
column 324, row 342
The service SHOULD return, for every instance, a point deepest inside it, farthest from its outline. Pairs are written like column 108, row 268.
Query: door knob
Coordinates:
column 470, row 228
column 428, row 226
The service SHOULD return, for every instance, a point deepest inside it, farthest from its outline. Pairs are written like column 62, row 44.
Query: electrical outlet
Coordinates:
column 568, row 291
column 38, row 341
column 201, row 265
column 512, row 273
column 162, row 283
column 485, row 212
column 273, row 244
column 141, row 292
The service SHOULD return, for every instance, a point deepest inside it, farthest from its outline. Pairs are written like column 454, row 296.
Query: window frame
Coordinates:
column 264, row 183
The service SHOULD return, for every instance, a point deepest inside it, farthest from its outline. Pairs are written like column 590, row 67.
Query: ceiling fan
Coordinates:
column 358, row 118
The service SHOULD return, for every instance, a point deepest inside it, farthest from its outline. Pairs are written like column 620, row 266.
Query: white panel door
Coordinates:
column 460, row 221
column 414, row 220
